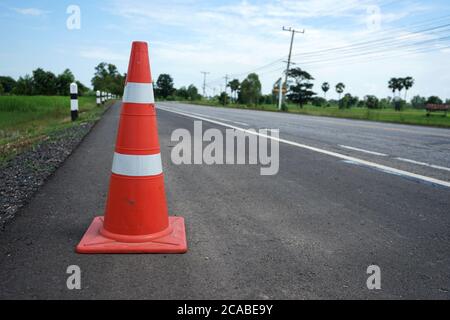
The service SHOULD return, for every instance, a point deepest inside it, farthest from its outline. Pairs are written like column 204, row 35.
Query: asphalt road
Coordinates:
column 310, row 231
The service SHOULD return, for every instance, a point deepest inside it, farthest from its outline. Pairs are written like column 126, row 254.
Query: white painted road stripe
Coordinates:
column 138, row 93
column 237, row 122
column 330, row 153
column 137, row 165
column 363, row 150
column 424, row 164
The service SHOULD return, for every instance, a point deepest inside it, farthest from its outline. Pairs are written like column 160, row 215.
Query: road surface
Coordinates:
column 310, row 231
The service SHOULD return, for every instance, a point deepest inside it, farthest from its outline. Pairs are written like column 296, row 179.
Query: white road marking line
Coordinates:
column 423, row 164
column 363, row 150
column 237, row 122
column 330, row 153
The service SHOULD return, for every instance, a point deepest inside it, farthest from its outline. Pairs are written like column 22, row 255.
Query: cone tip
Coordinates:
column 140, row 44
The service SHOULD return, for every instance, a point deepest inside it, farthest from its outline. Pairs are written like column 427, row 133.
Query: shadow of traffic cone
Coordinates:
column 136, row 218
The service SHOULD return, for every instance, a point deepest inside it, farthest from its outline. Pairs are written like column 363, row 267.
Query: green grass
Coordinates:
column 406, row 116
column 26, row 120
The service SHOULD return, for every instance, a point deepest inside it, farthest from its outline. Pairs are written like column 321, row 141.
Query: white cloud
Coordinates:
column 188, row 37
column 31, row 11
column 102, row 54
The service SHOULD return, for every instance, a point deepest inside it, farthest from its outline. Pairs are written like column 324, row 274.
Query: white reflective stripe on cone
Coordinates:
column 137, row 165
column 138, row 93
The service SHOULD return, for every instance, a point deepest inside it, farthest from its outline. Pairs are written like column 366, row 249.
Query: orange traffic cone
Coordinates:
column 136, row 218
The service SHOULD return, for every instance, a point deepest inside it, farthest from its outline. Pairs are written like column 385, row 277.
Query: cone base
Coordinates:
column 94, row 242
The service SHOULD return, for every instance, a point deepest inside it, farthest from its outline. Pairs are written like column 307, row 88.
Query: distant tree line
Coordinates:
column 164, row 90
column 41, row 82
column 108, row 78
column 299, row 90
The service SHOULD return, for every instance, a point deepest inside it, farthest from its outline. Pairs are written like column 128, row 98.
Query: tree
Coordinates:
column 1, row 89
column 82, row 89
column 301, row 91
column 250, row 89
column 418, row 102
column 192, row 93
column 319, row 101
column 371, row 102
column 164, row 85
column 7, row 83
column 182, row 93
column 407, row 82
column 24, row 86
column 434, row 100
column 223, row 98
column 385, row 103
column 340, row 87
column 400, row 85
column 108, row 78
column 393, row 84
column 234, row 86
column 44, row 82
column 348, row 101
column 267, row 99
column 63, row 82
column 325, row 88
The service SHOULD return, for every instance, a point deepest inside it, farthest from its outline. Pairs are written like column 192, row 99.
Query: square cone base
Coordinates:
column 94, row 242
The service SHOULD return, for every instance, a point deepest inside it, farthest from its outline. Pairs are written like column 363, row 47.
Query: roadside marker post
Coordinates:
column 98, row 99
column 74, row 101
column 136, row 217
column 103, row 97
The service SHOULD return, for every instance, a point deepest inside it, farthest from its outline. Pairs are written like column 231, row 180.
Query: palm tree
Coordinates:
column 408, row 82
column 340, row 88
column 393, row 84
column 400, row 85
column 325, row 88
column 234, row 86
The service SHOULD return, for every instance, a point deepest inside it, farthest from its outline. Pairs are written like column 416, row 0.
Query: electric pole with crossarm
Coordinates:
column 293, row 32
column 204, row 82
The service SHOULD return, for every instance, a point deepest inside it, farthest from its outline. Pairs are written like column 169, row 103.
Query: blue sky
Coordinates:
column 393, row 38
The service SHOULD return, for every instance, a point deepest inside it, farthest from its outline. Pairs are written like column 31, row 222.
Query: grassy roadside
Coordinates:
column 27, row 120
column 407, row 116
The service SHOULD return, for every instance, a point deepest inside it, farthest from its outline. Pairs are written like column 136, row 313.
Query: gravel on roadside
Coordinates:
column 23, row 175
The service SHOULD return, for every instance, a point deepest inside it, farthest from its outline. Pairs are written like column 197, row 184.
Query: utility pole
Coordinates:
column 204, row 82
column 280, row 92
column 226, row 84
column 293, row 32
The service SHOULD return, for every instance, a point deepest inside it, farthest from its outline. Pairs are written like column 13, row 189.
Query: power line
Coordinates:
column 369, row 43
column 383, row 57
column 364, row 48
column 417, row 45
column 348, row 47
